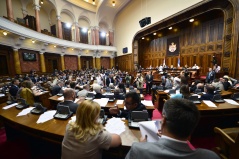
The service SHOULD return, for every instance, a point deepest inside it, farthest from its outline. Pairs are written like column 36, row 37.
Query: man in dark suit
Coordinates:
column 69, row 98
column 14, row 88
column 180, row 117
column 57, row 88
column 149, row 82
column 209, row 90
column 210, row 76
column 109, row 80
column 132, row 103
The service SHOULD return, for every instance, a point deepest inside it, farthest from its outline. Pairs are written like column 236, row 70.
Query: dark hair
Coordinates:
column 184, row 89
column 72, row 85
column 210, row 89
column 14, row 80
column 135, row 97
column 181, row 116
column 122, row 87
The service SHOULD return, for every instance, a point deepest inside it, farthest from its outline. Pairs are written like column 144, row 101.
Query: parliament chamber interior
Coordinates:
column 97, row 78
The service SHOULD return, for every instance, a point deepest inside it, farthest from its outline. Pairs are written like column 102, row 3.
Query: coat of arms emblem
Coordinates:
column 172, row 47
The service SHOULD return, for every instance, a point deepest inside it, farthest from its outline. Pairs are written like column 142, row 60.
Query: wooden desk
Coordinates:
column 3, row 99
column 54, row 101
column 52, row 130
column 159, row 97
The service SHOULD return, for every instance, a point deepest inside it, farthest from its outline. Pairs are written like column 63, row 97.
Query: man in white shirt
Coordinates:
column 180, row 117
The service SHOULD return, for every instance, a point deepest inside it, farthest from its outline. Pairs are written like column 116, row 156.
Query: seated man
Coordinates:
column 180, row 117
column 97, row 89
column 14, row 88
column 69, row 98
column 132, row 103
column 57, row 88
column 209, row 90
column 84, row 92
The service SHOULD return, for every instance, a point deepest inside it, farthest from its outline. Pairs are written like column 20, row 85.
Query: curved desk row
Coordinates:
column 53, row 130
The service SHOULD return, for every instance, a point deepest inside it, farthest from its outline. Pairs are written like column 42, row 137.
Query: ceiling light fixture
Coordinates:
column 93, row 2
column 170, row 28
column 113, row 3
column 142, row 37
column 191, row 20
column 155, row 33
column 5, row 33
column 41, row 1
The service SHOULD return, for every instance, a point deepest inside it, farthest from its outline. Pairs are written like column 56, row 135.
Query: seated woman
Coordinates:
column 27, row 94
column 184, row 92
column 85, row 137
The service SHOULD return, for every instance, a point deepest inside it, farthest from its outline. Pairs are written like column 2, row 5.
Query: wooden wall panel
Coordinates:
column 7, row 65
column 105, row 62
column 71, row 62
column 195, row 42
column 125, row 62
column 52, row 61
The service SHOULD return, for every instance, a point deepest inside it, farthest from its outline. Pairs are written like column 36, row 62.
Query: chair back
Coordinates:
column 235, row 96
column 227, row 141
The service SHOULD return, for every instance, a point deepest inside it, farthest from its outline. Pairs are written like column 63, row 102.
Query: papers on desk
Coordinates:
column 107, row 93
column 2, row 95
column 115, row 126
column 61, row 98
column 127, row 90
column 230, row 101
column 166, row 91
column 120, row 101
column 9, row 106
column 46, row 116
column 147, row 102
column 102, row 102
column 209, row 103
column 25, row 111
column 150, row 129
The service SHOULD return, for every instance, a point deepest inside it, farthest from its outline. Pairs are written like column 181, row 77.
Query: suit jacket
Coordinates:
column 126, row 113
column 73, row 106
column 167, row 149
column 56, row 89
column 210, row 76
column 13, row 90
column 108, row 81
column 149, row 79
column 207, row 96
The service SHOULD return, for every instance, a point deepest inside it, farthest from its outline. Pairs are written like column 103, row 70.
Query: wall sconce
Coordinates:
column 33, row 41
column 113, row 3
column 93, row 2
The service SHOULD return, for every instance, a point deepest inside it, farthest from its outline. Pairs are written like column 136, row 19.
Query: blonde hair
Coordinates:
column 86, row 124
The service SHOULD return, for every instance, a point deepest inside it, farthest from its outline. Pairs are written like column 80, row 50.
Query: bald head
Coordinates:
column 69, row 94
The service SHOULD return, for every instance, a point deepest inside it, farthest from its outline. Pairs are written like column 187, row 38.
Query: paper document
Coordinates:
column 9, row 106
column 120, row 101
column 2, row 95
column 46, row 116
column 61, row 98
column 166, row 91
column 230, row 101
column 127, row 90
column 25, row 111
column 115, row 126
column 209, row 103
column 150, row 129
column 147, row 102
column 102, row 102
